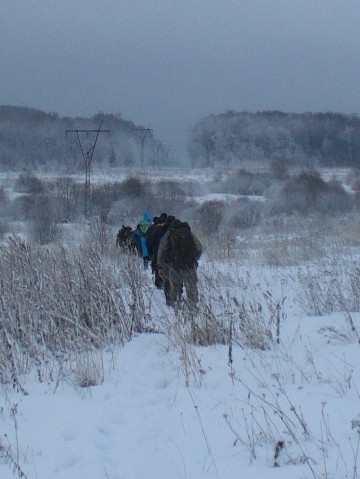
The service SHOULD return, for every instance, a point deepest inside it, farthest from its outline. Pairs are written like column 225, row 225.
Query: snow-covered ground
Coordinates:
column 157, row 411
column 106, row 175
column 226, row 197
column 158, row 408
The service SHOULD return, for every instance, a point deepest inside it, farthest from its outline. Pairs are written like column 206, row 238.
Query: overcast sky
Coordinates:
column 167, row 63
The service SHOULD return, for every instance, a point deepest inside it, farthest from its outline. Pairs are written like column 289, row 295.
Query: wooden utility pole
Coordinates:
column 142, row 133
column 87, row 156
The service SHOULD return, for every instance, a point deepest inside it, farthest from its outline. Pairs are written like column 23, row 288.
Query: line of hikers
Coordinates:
column 173, row 251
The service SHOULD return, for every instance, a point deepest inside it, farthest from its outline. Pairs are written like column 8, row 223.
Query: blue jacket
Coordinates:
column 147, row 217
column 144, row 249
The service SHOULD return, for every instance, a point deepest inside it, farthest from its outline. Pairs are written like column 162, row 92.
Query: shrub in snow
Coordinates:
column 88, row 368
column 221, row 245
column 209, row 215
column 171, row 190
column 241, row 311
column 335, row 200
column 244, row 182
column 21, row 208
column 247, row 214
column 131, row 187
column 279, row 168
column 100, row 234
column 29, row 184
column 103, row 197
column 308, row 192
column 44, row 228
column 67, row 193
column 58, row 301
column 338, row 290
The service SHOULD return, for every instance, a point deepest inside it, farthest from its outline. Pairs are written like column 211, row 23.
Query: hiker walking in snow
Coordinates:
column 135, row 240
column 123, row 237
column 177, row 259
column 155, row 233
column 155, row 245
column 144, row 225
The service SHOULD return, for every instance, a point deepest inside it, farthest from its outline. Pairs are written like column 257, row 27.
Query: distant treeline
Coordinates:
column 33, row 139
column 311, row 139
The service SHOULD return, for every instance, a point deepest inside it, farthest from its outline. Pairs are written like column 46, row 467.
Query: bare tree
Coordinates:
column 207, row 142
column 44, row 228
column 68, row 194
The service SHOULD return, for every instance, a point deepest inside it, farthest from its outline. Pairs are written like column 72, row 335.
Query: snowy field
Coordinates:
column 108, row 175
column 161, row 411
column 272, row 393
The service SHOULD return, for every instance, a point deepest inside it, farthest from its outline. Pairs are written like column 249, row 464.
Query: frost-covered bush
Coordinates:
column 170, row 190
column 57, row 301
column 279, row 168
column 335, row 200
column 307, row 193
column 131, row 187
column 231, row 308
column 102, row 199
column 68, row 194
column 246, row 214
column 100, row 234
column 44, row 227
column 21, row 207
column 29, row 184
column 209, row 215
column 244, row 182
column 338, row 290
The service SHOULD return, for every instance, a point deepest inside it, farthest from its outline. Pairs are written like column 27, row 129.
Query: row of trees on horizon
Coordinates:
column 308, row 139
column 33, row 139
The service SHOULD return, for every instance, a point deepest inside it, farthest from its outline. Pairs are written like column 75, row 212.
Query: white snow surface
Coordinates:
column 144, row 422
column 227, row 197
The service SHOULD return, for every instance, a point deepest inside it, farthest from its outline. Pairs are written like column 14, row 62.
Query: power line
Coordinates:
column 143, row 134
column 87, row 157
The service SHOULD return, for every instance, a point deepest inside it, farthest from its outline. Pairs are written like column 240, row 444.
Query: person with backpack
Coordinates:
column 155, row 233
column 149, row 234
column 123, row 237
column 177, row 260
column 164, row 278
column 144, row 225
column 135, row 245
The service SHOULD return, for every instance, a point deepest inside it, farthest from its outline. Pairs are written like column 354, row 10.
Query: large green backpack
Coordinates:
column 182, row 248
